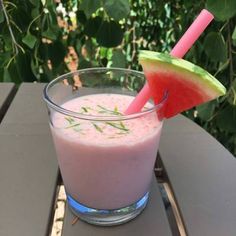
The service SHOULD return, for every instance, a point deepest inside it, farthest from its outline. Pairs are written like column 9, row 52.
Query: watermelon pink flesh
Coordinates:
column 187, row 85
column 180, row 95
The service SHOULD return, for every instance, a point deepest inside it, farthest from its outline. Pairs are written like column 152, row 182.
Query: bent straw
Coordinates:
column 180, row 49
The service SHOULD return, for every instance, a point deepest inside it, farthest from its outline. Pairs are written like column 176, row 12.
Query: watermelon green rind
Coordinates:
column 180, row 65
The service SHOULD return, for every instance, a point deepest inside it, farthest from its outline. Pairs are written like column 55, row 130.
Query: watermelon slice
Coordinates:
column 188, row 85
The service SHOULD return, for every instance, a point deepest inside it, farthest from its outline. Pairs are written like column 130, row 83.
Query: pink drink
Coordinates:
column 105, row 164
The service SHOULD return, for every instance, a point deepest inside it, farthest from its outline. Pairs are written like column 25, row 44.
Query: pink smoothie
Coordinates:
column 108, row 164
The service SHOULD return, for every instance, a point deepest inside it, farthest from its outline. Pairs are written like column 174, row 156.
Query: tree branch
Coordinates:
column 15, row 45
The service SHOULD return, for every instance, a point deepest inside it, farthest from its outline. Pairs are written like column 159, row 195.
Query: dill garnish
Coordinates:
column 72, row 123
column 70, row 120
column 116, row 109
column 108, row 111
column 86, row 109
column 72, row 126
column 97, row 128
column 121, row 133
column 119, row 126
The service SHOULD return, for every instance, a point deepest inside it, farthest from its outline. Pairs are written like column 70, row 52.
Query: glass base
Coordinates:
column 107, row 217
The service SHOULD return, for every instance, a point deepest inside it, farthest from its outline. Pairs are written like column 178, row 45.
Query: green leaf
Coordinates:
column 36, row 3
column 92, row 26
column 83, row 64
column 234, row 36
column 47, row 74
column 72, row 37
column 226, row 119
column 6, row 76
column 14, row 72
column 117, row 9
column 105, row 52
column 11, row 73
column 222, row 9
column 109, row 34
column 35, row 69
column 21, row 70
column 89, row 6
column 5, row 58
column 35, row 12
column 89, row 47
column 232, row 93
column 51, row 33
column 52, row 16
column 57, row 52
column 1, row 16
column 118, row 59
column 81, row 17
column 78, row 47
column 1, row 74
column 222, row 66
column 29, row 40
column 215, row 47
column 206, row 110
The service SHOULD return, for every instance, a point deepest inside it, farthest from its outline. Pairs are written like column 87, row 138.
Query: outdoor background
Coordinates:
column 40, row 40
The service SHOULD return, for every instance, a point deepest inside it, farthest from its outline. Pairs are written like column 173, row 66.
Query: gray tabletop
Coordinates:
column 199, row 173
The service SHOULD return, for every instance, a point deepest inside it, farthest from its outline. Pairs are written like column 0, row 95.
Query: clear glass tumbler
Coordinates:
column 106, row 158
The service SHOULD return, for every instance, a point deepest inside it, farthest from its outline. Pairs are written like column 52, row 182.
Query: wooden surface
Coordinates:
column 28, row 168
column 203, row 176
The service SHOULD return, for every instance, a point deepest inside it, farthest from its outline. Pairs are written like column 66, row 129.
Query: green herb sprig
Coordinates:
column 70, row 120
column 86, row 109
column 108, row 111
column 119, row 126
column 98, row 128
column 72, row 124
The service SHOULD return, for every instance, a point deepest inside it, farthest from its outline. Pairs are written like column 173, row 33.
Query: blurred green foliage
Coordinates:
column 36, row 37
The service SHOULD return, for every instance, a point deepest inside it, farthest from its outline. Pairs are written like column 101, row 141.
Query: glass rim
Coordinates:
column 58, row 108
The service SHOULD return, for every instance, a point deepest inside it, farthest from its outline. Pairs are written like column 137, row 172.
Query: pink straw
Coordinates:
column 180, row 49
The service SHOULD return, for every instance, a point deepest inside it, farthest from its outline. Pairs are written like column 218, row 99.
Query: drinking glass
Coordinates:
column 106, row 158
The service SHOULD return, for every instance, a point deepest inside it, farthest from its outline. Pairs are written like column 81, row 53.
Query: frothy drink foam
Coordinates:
column 105, row 164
